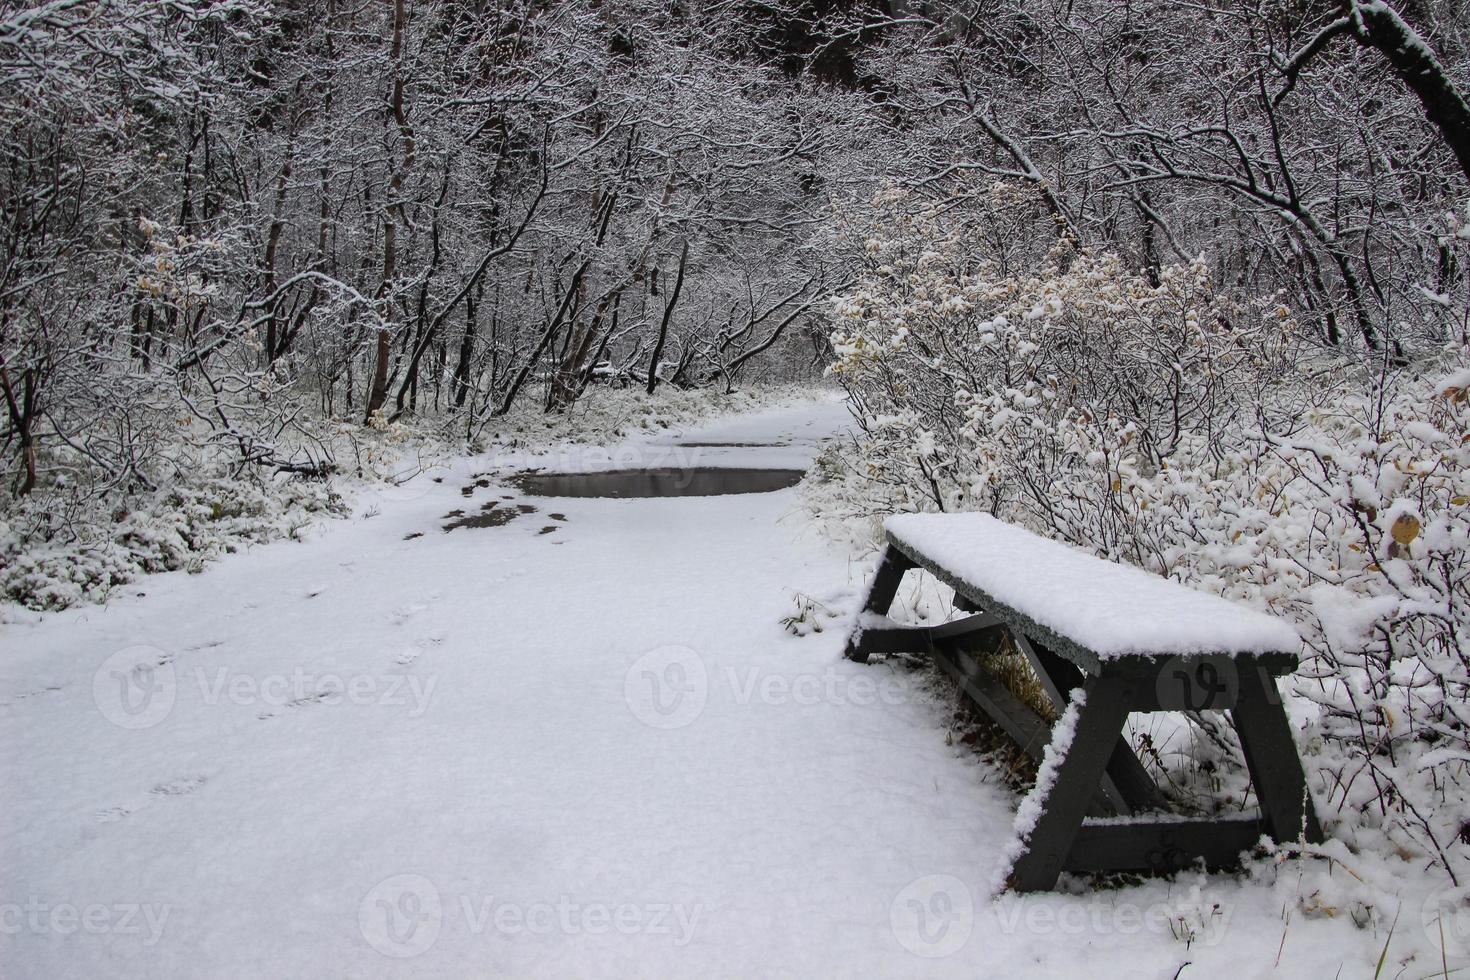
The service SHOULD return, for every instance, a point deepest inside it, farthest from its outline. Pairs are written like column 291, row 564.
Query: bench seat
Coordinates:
column 1091, row 609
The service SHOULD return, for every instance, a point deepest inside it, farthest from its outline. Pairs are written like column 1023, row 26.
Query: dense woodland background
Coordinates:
column 259, row 214
column 1187, row 284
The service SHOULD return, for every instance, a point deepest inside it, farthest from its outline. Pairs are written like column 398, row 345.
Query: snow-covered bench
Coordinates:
column 1104, row 640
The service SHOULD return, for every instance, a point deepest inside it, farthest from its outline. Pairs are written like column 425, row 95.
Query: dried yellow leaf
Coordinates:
column 1405, row 529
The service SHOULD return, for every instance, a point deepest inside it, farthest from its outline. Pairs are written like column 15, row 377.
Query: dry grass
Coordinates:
column 1008, row 664
column 974, row 728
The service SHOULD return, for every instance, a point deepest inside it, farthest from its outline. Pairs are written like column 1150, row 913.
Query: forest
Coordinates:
column 263, row 216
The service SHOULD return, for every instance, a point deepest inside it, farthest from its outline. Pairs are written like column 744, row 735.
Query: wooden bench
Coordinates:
column 1104, row 640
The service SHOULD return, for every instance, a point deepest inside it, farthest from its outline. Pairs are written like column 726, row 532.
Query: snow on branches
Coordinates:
column 1199, row 435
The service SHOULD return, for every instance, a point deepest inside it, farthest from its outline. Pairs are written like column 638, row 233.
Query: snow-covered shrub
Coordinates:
column 59, row 551
column 1170, row 424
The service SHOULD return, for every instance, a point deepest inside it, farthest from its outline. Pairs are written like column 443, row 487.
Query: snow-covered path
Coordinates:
column 506, row 751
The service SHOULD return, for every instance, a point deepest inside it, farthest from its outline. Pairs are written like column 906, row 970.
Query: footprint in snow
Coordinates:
column 173, row 787
column 179, row 787
column 416, row 649
column 403, row 614
column 317, row 698
column 31, row 694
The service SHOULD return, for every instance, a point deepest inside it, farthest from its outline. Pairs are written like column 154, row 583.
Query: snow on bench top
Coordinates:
column 1111, row 609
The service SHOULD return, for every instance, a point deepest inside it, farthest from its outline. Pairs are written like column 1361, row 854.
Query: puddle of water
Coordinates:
column 731, row 445
column 700, row 482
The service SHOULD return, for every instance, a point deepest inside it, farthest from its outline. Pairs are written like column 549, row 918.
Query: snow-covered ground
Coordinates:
column 511, row 751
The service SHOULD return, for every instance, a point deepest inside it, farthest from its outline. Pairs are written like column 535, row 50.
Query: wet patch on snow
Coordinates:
column 481, row 481
column 491, row 514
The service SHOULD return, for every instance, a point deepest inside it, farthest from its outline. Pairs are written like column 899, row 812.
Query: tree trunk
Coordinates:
column 22, row 412
column 663, row 326
column 378, row 392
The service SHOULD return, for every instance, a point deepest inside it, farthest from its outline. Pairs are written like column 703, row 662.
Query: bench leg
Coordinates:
column 1126, row 785
column 1064, row 804
column 886, row 578
column 881, row 592
column 1271, row 756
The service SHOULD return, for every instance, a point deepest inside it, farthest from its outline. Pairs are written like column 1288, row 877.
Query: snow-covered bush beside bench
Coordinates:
column 1197, row 436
